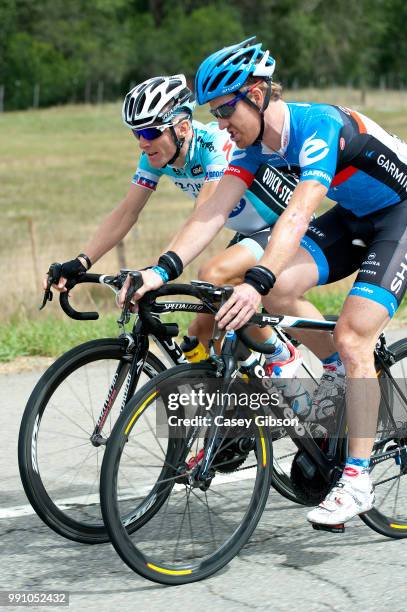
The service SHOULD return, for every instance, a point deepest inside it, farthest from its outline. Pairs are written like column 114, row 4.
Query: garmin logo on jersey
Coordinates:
column 317, row 173
column 399, row 175
column 398, row 280
column 197, row 170
column 313, row 150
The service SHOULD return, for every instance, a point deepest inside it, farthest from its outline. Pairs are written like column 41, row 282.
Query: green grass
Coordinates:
column 52, row 336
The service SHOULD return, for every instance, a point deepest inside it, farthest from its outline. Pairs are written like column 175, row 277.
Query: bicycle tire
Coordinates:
column 129, row 550
column 40, row 400
column 391, row 527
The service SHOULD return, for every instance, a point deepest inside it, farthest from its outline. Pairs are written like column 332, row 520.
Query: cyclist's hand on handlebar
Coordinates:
column 242, row 304
column 151, row 281
column 69, row 269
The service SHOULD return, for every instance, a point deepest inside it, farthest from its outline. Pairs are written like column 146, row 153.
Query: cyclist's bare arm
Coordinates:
column 118, row 223
column 208, row 189
column 206, row 221
column 292, row 225
column 113, row 228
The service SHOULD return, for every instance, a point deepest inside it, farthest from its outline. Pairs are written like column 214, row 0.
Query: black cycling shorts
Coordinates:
column 376, row 245
column 255, row 243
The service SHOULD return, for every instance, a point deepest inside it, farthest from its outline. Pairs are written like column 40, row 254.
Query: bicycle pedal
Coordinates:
column 340, row 528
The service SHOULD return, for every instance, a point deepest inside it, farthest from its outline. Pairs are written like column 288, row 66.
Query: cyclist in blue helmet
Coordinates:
column 229, row 69
column 338, row 153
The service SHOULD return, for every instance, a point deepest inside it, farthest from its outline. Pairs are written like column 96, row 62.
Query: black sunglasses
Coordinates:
column 150, row 133
column 226, row 110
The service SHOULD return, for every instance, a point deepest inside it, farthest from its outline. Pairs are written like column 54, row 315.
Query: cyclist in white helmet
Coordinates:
column 194, row 156
column 159, row 112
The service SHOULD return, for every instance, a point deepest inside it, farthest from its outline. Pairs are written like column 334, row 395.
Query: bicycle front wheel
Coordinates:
column 203, row 524
column 59, row 463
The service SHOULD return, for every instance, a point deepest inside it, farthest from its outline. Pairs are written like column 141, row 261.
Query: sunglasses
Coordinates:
column 150, row 133
column 226, row 110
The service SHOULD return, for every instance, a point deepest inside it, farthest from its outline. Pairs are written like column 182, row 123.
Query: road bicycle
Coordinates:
column 73, row 407
column 215, row 480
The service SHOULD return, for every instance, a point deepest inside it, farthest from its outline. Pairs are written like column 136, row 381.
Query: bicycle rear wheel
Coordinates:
column 199, row 528
column 59, row 465
column 389, row 457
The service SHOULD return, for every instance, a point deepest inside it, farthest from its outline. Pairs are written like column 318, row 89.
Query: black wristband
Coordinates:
column 86, row 258
column 260, row 278
column 172, row 264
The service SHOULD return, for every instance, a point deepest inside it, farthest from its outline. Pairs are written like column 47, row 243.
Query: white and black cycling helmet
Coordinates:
column 158, row 101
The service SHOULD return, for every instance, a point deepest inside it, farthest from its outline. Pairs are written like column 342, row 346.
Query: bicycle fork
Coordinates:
column 129, row 369
column 226, row 367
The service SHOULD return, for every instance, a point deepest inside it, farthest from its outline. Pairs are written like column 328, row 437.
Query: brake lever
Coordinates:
column 136, row 281
column 53, row 276
column 225, row 293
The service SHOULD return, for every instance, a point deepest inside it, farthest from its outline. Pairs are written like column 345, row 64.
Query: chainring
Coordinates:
column 231, row 458
column 311, row 491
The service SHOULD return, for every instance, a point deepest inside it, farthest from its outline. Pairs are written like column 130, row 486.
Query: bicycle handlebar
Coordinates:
column 64, row 298
column 146, row 304
column 211, row 296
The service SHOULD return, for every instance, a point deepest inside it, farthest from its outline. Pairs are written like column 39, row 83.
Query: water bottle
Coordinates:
column 193, row 349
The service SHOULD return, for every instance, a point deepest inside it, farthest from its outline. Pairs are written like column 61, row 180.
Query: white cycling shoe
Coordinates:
column 342, row 503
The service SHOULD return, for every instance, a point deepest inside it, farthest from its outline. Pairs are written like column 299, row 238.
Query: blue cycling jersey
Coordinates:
column 207, row 158
column 363, row 167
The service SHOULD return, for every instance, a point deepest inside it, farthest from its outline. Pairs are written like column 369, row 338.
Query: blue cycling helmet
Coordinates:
column 227, row 70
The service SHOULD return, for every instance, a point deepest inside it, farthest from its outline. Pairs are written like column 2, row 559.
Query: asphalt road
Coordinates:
column 285, row 566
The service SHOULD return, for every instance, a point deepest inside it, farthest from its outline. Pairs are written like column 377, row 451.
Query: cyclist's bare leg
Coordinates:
column 287, row 297
column 360, row 323
column 226, row 268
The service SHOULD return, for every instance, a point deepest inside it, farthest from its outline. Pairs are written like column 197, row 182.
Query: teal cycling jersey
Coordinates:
column 208, row 156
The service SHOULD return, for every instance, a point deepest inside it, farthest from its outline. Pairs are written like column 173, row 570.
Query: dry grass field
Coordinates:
column 62, row 169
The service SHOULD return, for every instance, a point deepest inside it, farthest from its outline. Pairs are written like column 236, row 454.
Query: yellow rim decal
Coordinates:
column 140, row 410
column 166, row 571
column 398, row 526
column 263, row 446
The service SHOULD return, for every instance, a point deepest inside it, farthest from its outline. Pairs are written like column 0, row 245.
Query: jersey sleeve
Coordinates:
column 146, row 176
column 244, row 164
column 216, row 148
column 319, row 145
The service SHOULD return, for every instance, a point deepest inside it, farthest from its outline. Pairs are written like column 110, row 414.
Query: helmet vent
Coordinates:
column 155, row 100
column 130, row 108
column 140, row 103
column 217, row 80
